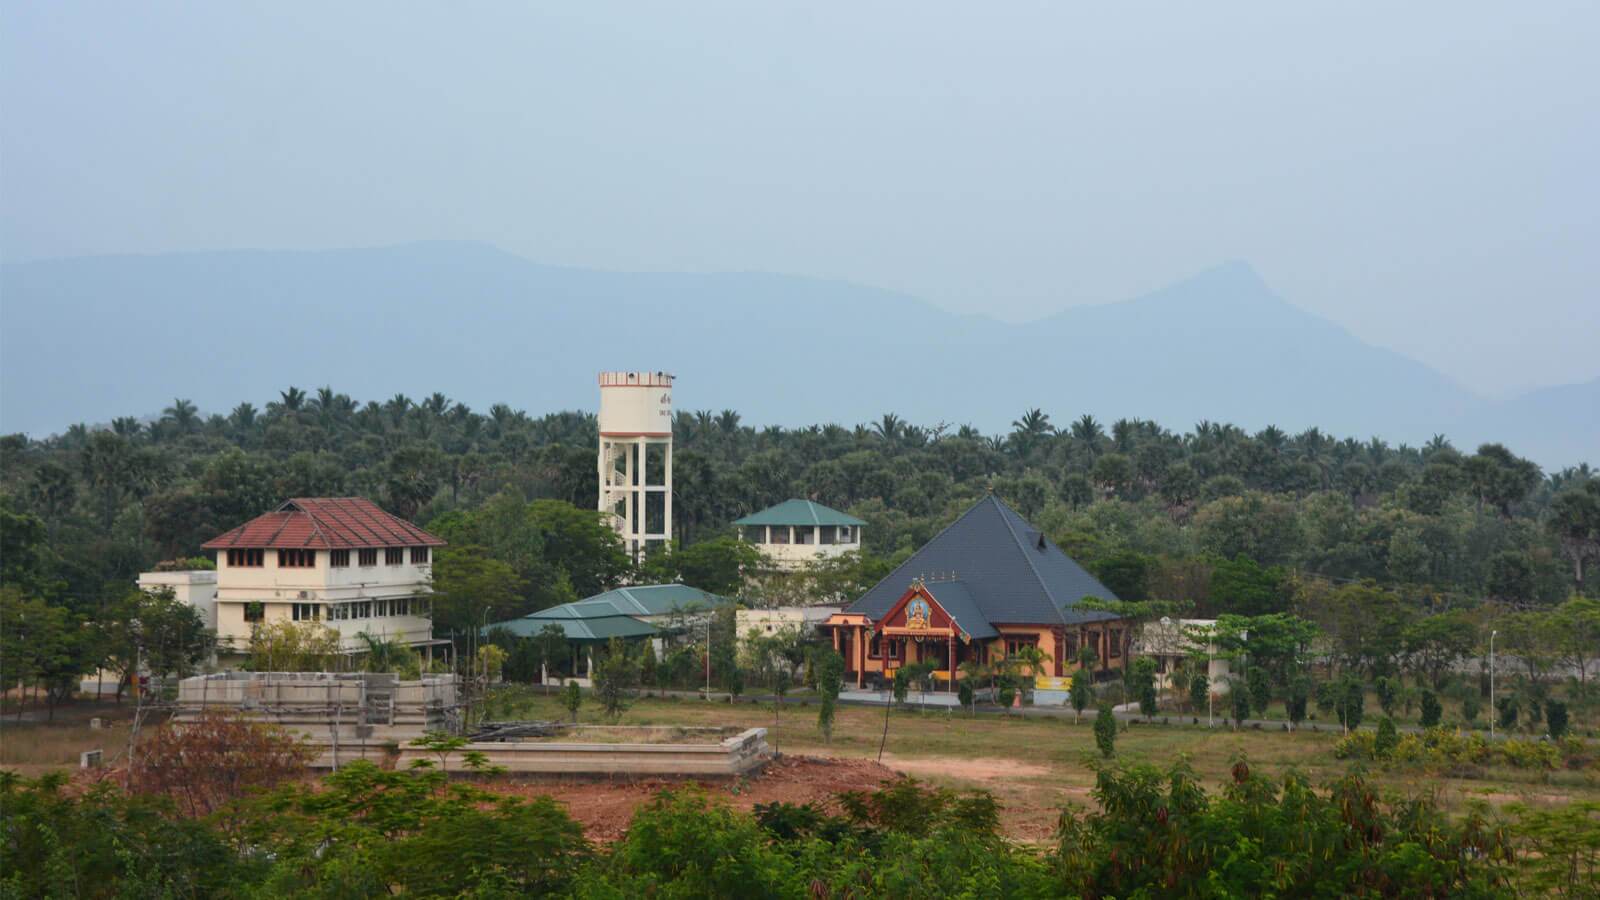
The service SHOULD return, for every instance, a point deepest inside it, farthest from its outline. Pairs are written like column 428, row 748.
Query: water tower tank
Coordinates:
column 635, row 464
column 634, row 404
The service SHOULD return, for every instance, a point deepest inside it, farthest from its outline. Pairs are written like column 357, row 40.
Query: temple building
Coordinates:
column 983, row 589
column 796, row 533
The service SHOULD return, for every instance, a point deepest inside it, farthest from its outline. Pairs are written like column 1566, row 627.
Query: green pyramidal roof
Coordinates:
column 799, row 512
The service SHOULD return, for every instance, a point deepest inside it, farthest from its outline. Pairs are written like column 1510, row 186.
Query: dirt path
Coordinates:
column 965, row 769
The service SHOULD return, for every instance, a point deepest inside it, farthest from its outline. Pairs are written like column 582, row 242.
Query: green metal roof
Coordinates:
column 639, row 600
column 599, row 628
column 615, row 613
column 799, row 512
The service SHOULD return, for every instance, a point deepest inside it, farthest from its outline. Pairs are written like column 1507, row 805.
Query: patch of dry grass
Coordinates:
column 1051, row 757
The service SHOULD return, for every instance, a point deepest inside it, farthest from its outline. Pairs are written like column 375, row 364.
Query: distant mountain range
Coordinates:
column 92, row 338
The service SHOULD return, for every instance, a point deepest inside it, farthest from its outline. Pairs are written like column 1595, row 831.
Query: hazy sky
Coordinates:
column 1427, row 175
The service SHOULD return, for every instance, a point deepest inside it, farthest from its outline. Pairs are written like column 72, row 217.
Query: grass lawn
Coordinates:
column 1043, row 762
column 33, row 746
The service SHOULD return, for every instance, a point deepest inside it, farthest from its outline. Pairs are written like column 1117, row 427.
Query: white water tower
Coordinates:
column 636, row 456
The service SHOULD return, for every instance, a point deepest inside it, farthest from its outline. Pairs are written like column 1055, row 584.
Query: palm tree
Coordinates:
column 1028, row 431
column 890, row 428
column 292, row 400
column 127, row 426
column 182, row 415
column 1273, row 438
column 1088, row 434
column 436, row 405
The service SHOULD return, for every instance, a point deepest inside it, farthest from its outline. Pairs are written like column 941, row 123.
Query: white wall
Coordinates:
column 278, row 589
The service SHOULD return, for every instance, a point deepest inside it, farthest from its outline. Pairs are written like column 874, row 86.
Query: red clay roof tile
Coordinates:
column 325, row 523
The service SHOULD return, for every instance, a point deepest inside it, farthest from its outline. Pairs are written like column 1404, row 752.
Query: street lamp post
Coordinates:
column 1493, row 711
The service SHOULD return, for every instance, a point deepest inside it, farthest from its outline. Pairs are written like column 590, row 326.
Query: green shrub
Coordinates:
column 1470, row 709
column 1383, row 745
column 1199, row 691
column 1105, row 731
column 1506, row 707
column 1556, row 717
column 1431, row 710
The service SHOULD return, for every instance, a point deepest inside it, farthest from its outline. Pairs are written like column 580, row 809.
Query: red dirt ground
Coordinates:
column 606, row 807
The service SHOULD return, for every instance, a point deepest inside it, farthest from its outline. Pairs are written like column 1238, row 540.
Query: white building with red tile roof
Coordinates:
column 340, row 561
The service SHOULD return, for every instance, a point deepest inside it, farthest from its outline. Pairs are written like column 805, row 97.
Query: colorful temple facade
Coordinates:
column 986, row 588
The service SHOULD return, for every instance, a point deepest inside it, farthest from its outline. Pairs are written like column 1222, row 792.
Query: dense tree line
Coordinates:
column 1429, row 519
column 1362, row 537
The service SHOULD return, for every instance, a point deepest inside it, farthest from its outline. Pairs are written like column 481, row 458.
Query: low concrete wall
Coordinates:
column 343, row 707
column 725, row 759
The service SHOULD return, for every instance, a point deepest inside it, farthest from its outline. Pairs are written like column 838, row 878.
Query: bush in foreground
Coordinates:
column 365, row 832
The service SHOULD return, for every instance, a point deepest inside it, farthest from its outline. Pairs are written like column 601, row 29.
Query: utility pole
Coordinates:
column 1493, row 710
column 708, row 659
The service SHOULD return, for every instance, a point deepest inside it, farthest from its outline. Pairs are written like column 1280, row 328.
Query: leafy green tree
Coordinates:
column 1507, row 710
column 1388, row 694
column 1384, row 746
column 647, row 664
column 572, row 699
column 1239, row 703
column 1082, row 692
column 1351, row 697
column 1434, row 644
column 1105, row 731
column 1142, row 680
column 1126, row 574
column 1294, row 705
column 1241, row 587
column 1555, row 715
column 717, row 566
column 1199, row 690
column 1431, row 710
column 1260, row 688
column 615, row 676
column 470, row 586
column 827, row 668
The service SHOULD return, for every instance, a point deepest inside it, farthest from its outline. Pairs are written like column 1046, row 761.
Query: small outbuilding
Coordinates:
column 796, row 533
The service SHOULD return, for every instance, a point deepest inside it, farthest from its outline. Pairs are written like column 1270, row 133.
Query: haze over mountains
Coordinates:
column 91, row 338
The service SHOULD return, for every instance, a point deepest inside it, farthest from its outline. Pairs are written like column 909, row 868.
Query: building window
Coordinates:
column 394, row 556
column 805, row 535
column 875, row 647
column 1014, row 645
column 1114, row 644
column 847, row 534
column 892, row 647
column 1072, row 648
column 255, row 611
column 339, row 559
column 307, row 612
column 755, row 534
column 338, row 612
column 827, row 534
column 401, row 606
column 297, row 559
column 380, row 608
column 780, row 534
column 367, row 557
column 247, row 559
column 362, row 610
column 419, row 556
